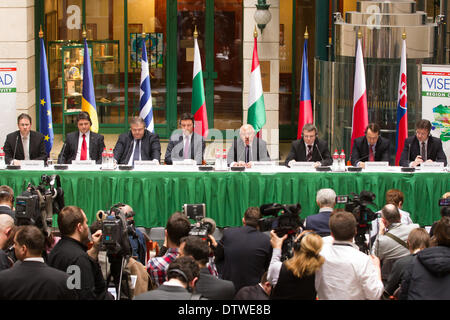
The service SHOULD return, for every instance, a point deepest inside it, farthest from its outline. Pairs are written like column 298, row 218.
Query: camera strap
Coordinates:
column 397, row 239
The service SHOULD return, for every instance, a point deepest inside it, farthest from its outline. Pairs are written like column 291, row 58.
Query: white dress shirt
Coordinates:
column 80, row 142
column 347, row 274
column 130, row 162
column 26, row 146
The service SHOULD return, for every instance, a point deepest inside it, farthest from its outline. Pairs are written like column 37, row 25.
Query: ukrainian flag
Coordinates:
column 88, row 95
column 45, row 104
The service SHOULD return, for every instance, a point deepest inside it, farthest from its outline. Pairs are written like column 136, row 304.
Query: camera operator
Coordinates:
column 244, row 251
column 294, row 278
column 444, row 211
column 72, row 250
column 7, row 201
column 390, row 244
column 6, row 234
column 347, row 273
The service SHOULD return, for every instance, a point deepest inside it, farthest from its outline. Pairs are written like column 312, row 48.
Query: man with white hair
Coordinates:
column 247, row 148
column 326, row 200
column 6, row 229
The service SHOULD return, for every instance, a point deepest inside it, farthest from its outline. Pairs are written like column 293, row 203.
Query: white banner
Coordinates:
column 8, row 122
column 436, row 102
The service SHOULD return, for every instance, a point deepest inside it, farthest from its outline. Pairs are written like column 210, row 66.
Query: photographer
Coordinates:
column 6, row 233
column 7, row 201
column 294, row 278
column 244, row 251
column 71, row 251
column 444, row 211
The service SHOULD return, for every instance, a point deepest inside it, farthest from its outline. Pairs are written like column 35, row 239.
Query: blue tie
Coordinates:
column 137, row 150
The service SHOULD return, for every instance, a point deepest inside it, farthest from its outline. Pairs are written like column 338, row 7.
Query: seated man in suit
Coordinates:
column 32, row 279
column 422, row 147
column 24, row 144
column 370, row 147
column 137, row 144
column 247, row 148
column 82, row 144
column 185, row 143
column 309, row 148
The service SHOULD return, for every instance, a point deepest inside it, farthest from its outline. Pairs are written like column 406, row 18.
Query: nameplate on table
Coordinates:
column 432, row 166
column 259, row 164
column 376, row 165
column 302, row 166
column 32, row 164
column 145, row 164
column 185, row 162
column 84, row 163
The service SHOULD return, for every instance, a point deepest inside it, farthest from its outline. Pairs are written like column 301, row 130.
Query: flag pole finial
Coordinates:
column 404, row 34
column 306, row 35
column 84, row 32
column 143, row 35
column 195, row 32
column 41, row 34
column 359, row 34
column 255, row 33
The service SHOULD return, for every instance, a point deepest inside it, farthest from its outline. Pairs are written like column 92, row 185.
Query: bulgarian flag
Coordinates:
column 360, row 117
column 198, row 106
column 256, row 110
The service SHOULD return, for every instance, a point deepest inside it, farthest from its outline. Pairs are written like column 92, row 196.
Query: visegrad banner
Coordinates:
column 8, row 81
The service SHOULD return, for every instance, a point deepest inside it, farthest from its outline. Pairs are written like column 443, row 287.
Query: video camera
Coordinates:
column 357, row 204
column 288, row 222
column 200, row 228
column 444, row 202
column 37, row 204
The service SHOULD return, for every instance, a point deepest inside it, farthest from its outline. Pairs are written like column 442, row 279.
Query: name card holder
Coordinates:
column 376, row 165
column 32, row 164
column 302, row 166
column 145, row 164
column 432, row 167
column 257, row 164
column 83, row 165
column 185, row 162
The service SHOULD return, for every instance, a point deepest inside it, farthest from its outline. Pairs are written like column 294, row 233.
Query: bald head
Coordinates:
column 390, row 213
column 247, row 133
column 6, row 225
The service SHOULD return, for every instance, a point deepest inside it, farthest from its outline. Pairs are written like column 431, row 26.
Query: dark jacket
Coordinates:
column 33, row 280
column 8, row 211
column 165, row 292
column 298, row 152
column 213, row 288
column 68, row 252
column 96, row 146
column 360, row 151
column 290, row 287
column 175, row 148
column 251, row 293
column 411, row 150
column 246, row 254
column 428, row 275
column 319, row 223
column 14, row 142
column 150, row 147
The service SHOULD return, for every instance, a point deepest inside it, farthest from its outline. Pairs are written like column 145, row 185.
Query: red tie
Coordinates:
column 371, row 157
column 83, row 155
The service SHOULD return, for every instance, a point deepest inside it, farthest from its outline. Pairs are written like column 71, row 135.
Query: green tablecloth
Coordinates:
column 154, row 196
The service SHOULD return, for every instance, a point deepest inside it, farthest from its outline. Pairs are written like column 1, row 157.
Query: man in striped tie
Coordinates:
column 82, row 144
column 370, row 147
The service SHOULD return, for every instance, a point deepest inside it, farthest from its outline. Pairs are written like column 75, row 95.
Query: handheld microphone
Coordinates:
column 15, row 148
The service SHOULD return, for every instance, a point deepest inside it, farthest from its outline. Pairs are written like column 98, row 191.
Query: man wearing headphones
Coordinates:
column 82, row 144
column 309, row 148
column 185, row 143
column 422, row 147
column 370, row 147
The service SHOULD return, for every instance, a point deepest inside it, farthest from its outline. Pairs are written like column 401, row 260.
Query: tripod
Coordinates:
column 117, row 275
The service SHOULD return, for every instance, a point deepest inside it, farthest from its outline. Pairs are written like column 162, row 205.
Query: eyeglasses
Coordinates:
column 422, row 133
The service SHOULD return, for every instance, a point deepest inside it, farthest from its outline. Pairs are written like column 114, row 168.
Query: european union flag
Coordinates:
column 45, row 104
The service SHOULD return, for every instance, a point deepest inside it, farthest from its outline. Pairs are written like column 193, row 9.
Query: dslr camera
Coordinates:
column 288, row 222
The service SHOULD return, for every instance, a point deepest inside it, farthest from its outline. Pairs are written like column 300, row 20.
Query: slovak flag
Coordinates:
column 360, row 117
column 402, row 114
column 305, row 114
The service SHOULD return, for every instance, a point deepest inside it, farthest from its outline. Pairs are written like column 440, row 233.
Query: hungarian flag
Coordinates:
column 360, row 118
column 402, row 115
column 256, row 109
column 88, row 94
column 198, row 106
column 305, row 114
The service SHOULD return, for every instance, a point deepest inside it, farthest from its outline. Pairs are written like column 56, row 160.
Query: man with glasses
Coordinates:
column 422, row 147
column 309, row 148
column 137, row 144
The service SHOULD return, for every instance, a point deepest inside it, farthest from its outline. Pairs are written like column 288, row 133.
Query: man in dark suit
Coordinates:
column 24, row 144
column 260, row 291
column 370, row 147
column 185, row 144
column 247, row 148
column 137, row 144
column 326, row 200
column 208, row 285
column 30, row 278
column 182, row 275
column 7, row 201
column 422, row 147
column 244, row 251
column 82, row 144
column 309, row 148
column 7, row 229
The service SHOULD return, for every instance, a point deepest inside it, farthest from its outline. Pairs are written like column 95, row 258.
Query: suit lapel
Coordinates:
column 302, row 150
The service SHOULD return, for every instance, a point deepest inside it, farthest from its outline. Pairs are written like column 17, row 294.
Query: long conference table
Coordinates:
column 156, row 194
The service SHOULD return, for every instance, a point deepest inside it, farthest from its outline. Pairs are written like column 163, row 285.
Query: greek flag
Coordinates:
column 145, row 100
